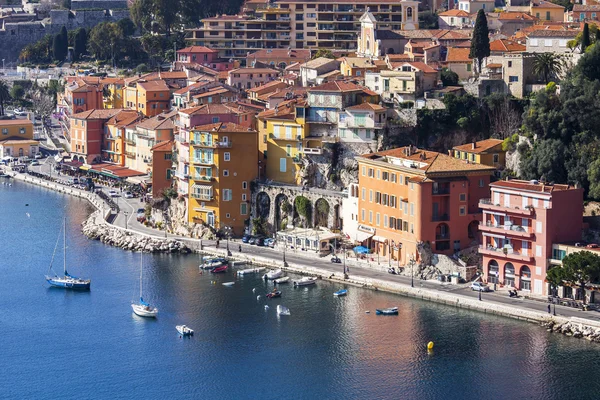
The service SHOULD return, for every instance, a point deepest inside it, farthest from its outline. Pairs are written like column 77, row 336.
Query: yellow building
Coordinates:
column 282, row 132
column 486, row 152
column 16, row 139
column 223, row 161
column 113, row 92
column 113, row 143
column 547, row 11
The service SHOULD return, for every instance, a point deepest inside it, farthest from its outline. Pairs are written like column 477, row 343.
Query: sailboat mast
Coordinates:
column 141, row 264
column 65, row 245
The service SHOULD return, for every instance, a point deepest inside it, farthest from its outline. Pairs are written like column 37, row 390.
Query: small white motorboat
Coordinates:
column 228, row 283
column 184, row 330
column 307, row 280
column 273, row 274
column 282, row 310
column 283, row 279
column 250, row 270
column 211, row 263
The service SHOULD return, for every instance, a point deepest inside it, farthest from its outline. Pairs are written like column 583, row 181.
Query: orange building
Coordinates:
column 81, row 95
column 153, row 97
column 86, row 132
column 162, row 164
column 408, row 195
column 223, row 161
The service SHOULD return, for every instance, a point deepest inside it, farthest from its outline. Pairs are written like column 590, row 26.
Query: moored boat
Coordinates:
column 307, row 280
column 283, row 279
column 228, row 283
column 274, row 293
column 387, row 311
column 341, row 292
column 250, row 270
column 142, row 308
column 211, row 263
column 282, row 310
column 184, row 330
column 66, row 281
column 273, row 274
column 220, row 269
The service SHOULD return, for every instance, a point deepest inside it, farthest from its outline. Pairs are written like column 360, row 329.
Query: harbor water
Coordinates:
column 63, row 344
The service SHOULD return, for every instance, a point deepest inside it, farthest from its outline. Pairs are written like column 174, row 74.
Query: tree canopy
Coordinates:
column 480, row 43
column 578, row 269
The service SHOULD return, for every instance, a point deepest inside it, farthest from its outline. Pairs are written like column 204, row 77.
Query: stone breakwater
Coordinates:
column 574, row 329
column 97, row 229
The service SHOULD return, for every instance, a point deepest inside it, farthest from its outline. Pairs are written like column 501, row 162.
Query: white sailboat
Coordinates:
column 143, row 309
column 66, row 281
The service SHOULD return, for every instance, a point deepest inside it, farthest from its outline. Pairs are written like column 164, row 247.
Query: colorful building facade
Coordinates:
column 521, row 221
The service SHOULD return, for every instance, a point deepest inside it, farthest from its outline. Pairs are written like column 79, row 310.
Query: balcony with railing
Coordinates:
column 440, row 189
column 180, row 175
column 130, row 154
column 503, row 252
column 442, row 236
column 488, row 204
column 211, row 145
column 293, row 138
column 440, row 217
column 329, row 118
column 312, row 150
column 203, row 196
column 203, row 161
column 130, row 142
column 203, row 178
column 507, row 229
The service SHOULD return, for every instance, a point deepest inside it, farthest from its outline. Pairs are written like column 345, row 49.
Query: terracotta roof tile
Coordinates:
column 367, row 107
column 336, row 86
column 505, row 45
column 97, row 114
column 165, row 146
column 531, row 186
column 454, row 13
column 515, row 16
column 458, row 55
column 480, row 147
column 197, row 49
column 224, row 127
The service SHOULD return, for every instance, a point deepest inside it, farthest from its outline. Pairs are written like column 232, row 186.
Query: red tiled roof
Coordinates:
column 367, row 107
column 97, row 114
column 458, row 55
column 154, row 86
column 480, row 147
column 454, row 13
column 505, row 45
column 197, row 49
column 531, row 186
column 515, row 16
column 224, row 127
column 336, row 86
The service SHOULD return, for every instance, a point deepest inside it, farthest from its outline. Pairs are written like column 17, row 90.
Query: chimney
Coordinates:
column 473, row 145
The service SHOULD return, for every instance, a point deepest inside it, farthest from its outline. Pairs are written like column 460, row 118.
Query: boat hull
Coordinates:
column 219, row 270
column 284, row 279
column 282, row 310
column 184, row 330
column 68, row 283
column 305, row 282
column 387, row 311
column 143, row 311
column 341, row 292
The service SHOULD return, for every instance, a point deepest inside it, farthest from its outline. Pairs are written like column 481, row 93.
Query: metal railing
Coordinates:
column 442, row 217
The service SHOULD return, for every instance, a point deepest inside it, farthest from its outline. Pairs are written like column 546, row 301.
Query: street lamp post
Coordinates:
column 284, row 247
column 412, row 275
column 126, row 214
column 389, row 255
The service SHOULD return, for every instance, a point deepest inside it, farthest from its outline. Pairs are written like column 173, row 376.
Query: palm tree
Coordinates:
column 548, row 65
column 4, row 95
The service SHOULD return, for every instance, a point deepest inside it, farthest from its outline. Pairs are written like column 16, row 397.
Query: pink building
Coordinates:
column 205, row 56
column 521, row 221
column 248, row 78
column 214, row 113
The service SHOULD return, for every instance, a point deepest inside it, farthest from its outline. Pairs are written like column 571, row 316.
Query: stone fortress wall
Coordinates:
column 84, row 14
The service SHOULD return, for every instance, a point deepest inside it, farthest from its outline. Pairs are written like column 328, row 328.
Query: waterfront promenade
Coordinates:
column 370, row 274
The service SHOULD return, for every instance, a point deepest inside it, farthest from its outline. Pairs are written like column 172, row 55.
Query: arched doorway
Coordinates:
column 321, row 213
column 525, row 278
column 473, row 229
column 283, row 211
column 509, row 275
column 263, row 205
column 493, row 271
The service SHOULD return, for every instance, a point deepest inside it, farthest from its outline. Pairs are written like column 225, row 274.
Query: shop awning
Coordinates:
column 85, row 167
column 362, row 236
column 379, row 239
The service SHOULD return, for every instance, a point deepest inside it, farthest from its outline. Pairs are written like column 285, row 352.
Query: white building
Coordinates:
column 361, row 123
column 350, row 212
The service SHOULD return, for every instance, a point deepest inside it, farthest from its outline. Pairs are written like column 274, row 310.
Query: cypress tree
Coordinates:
column 585, row 38
column 57, row 52
column 79, row 44
column 480, row 44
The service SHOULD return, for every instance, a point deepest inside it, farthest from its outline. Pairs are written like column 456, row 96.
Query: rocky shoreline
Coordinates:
column 573, row 329
column 95, row 228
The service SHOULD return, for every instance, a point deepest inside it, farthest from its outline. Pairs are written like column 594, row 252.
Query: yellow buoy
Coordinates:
column 430, row 346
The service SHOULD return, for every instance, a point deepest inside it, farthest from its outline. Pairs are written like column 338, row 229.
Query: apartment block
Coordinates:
column 298, row 24
column 223, row 161
column 521, row 221
column 87, row 131
column 409, row 196
column 16, row 138
column 488, row 152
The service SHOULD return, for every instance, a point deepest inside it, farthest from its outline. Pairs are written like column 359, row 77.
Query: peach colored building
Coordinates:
column 80, row 95
column 86, row 132
column 408, row 195
column 521, row 221
column 162, row 164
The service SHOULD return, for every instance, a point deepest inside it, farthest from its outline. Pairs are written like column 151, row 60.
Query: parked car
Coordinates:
column 269, row 242
column 579, row 244
column 35, row 162
column 246, row 238
column 252, row 240
column 592, row 246
column 336, row 260
column 113, row 193
column 481, row 287
column 39, row 156
column 18, row 111
column 260, row 241
column 128, row 195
